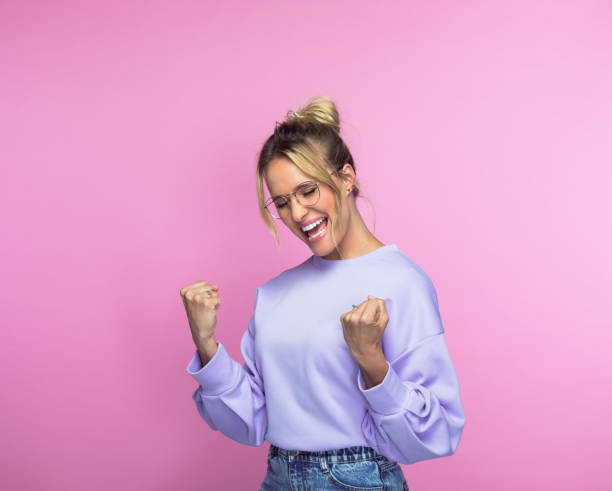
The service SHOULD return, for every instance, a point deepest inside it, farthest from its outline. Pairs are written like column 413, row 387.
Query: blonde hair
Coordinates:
column 310, row 138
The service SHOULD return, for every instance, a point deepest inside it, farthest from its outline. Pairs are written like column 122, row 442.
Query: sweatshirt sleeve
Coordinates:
column 231, row 397
column 415, row 413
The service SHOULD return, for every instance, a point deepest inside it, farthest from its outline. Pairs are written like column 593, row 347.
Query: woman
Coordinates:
column 346, row 370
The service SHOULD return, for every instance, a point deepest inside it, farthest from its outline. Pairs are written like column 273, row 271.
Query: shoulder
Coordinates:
column 412, row 304
column 406, row 276
column 413, row 295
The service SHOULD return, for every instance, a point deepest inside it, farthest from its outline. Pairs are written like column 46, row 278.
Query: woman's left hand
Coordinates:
column 363, row 328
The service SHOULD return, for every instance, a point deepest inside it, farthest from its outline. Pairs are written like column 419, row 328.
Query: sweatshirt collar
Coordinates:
column 322, row 263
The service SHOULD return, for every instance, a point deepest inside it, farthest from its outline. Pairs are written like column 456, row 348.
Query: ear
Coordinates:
column 347, row 173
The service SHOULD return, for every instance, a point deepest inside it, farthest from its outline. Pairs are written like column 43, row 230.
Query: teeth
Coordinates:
column 312, row 225
column 320, row 232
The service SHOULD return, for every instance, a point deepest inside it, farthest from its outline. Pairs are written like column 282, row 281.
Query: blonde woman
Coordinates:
column 346, row 371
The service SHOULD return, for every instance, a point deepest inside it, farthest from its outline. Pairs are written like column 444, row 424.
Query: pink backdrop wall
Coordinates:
column 482, row 133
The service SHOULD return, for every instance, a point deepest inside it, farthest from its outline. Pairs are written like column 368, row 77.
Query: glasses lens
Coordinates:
column 308, row 195
column 276, row 207
column 281, row 206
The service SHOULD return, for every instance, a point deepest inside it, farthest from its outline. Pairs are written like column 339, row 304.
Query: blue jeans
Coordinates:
column 355, row 468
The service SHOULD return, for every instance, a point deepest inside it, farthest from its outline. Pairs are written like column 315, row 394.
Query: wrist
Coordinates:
column 374, row 357
column 204, row 340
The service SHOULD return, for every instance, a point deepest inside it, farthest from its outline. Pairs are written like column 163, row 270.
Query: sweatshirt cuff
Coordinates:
column 389, row 396
column 217, row 375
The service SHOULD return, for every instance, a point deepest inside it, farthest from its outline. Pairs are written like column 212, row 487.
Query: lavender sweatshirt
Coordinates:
column 301, row 389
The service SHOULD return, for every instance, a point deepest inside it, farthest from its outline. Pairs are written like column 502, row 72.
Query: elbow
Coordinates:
column 256, row 435
column 444, row 444
column 455, row 435
column 256, row 442
column 454, row 432
column 453, row 429
column 252, row 434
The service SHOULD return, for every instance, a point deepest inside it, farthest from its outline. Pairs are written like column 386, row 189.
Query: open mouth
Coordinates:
column 316, row 232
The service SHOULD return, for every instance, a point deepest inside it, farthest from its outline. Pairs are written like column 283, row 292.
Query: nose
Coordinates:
column 298, row 211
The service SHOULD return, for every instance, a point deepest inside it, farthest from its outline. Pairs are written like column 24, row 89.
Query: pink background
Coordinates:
column 482, row 133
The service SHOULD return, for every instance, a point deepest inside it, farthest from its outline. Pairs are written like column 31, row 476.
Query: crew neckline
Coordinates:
column 322, row 263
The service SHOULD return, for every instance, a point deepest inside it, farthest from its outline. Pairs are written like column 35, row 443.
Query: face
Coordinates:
column 282, row 177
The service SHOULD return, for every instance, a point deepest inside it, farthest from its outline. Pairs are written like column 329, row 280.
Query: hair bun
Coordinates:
column 318, row 109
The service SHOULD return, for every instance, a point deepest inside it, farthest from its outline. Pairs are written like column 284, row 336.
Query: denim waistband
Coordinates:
column 347, row 454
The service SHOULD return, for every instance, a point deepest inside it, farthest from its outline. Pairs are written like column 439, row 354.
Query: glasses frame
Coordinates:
column 270, row 201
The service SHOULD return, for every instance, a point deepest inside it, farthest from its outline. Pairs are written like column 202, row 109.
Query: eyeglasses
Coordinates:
column 307, row 194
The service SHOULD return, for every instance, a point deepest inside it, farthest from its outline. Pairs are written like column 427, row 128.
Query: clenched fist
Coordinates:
column 201, row 301
column 364, row 326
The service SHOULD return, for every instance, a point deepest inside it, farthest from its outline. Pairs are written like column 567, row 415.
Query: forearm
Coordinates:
column 206, row 349
column 415, row 413
column 230, row 397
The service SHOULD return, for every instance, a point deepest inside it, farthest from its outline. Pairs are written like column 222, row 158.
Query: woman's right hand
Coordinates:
column 201, row 301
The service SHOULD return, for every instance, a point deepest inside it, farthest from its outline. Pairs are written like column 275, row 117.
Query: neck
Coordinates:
column 357, row 240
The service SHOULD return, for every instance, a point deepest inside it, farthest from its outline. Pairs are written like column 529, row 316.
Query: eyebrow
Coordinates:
column 294, row 189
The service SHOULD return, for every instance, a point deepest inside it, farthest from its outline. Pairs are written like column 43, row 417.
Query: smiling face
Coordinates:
column 283, row 177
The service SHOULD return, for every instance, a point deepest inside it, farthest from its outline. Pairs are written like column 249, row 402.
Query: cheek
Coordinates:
column 327, row 205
